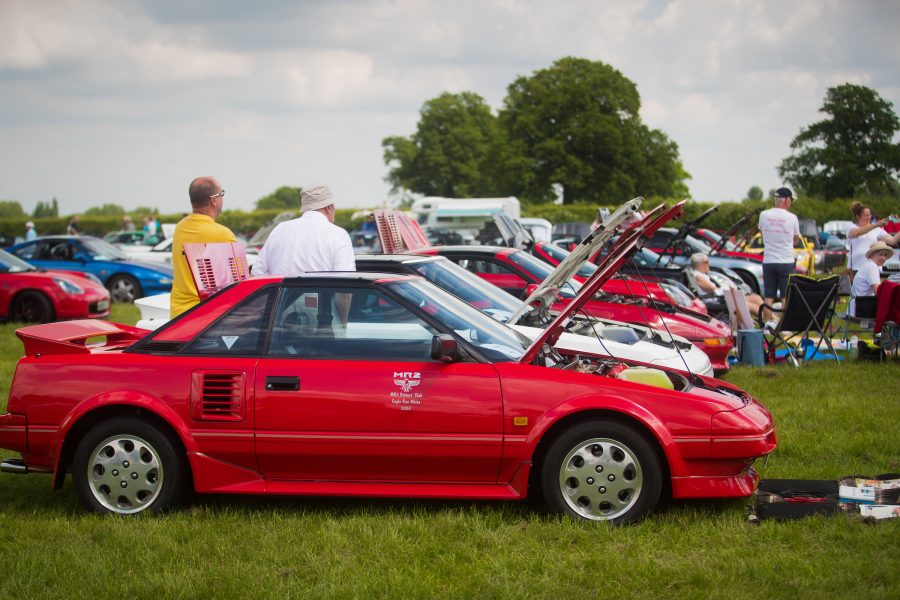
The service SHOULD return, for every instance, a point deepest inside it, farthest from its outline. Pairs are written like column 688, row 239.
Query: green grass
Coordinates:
column 831, row 420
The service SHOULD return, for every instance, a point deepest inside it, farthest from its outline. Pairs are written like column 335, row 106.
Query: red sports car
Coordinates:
column 371, row 385
column 32, row 295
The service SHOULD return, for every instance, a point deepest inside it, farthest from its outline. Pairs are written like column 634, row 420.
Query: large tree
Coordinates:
column 577, row 124
column 850, row 153
column 456, row 150
column 11, row 208
column 285, row 198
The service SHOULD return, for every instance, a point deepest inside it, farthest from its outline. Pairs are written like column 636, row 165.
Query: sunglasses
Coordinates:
column 218, row 195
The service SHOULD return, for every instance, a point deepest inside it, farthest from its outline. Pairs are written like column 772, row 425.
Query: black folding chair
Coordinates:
column 808, row 307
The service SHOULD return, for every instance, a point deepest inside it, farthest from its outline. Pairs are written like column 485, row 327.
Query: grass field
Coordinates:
column 832, row 421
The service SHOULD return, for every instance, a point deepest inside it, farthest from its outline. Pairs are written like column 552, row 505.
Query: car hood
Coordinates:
column 150, row 266
column 545, row 294
column 626, row 243
column 669, row 356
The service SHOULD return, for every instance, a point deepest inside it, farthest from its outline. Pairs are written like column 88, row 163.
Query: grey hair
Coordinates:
column 698, row 258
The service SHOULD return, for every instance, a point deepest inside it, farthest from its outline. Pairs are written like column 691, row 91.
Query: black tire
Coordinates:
column 601, row 471
column 124, row 288
column 31, row 307
column 750, row 280
column 126, row 466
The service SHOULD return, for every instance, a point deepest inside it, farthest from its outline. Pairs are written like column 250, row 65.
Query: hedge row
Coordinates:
column 242, row 223
column 821, row 211
column 246, row 223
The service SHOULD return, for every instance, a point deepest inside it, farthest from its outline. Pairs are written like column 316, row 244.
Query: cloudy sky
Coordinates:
column 126, row 101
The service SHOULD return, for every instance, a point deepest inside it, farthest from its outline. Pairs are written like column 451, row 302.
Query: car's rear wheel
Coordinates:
column 31, row 307
column 126, row 466
column 749, row 279
column 124, row 288
column 602, row 471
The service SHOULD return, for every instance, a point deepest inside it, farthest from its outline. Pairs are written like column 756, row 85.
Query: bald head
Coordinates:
column 201, row 190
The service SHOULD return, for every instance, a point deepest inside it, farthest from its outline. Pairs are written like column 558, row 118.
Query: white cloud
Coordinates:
column 99, row 94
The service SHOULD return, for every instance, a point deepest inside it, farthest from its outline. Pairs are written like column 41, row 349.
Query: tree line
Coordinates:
column 573, row 130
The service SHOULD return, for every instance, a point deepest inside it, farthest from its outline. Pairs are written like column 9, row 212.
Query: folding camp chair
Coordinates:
column 809, row 306
column 862, row 319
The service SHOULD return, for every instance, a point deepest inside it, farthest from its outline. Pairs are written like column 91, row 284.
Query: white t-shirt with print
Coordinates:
column 778, row 228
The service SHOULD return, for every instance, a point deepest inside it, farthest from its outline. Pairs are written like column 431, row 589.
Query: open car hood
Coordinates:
column 686, row 229
column 546, row 292
column 398, row 233
column 512, row 232
column 608, row 265
column 739, row 227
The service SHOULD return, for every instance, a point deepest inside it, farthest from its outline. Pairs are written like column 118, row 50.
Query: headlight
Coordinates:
column 68, row 287
column 723, row 341
column 93, row 278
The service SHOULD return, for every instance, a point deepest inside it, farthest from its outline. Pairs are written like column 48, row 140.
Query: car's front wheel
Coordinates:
column 602, row 471
column 124, row 288
column 127, row 466
column 31, row 307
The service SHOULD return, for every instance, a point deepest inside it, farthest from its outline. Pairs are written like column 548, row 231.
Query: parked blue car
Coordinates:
column 125, row 279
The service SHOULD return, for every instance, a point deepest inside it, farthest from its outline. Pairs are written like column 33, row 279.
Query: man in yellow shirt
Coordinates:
column 199, row 227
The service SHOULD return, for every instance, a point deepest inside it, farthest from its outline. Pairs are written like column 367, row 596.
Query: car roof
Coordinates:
column 396, row 258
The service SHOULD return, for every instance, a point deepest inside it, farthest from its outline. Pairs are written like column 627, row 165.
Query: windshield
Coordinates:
column 558, row 254
column 540, row 271
column 101, row 250
column 496, row 341
column 473, row 289
column 728, row 245
column 698, row 246
column 13, row 264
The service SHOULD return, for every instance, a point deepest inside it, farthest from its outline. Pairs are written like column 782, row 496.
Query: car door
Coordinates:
column 348, row 392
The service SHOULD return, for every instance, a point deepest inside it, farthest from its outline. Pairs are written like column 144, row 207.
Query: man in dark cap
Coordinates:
column 780, row 230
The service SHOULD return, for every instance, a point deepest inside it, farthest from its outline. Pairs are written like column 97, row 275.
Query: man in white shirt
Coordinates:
column 780, row 230
column 311, row 242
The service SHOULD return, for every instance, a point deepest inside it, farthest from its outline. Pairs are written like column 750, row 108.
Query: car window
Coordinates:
column 242, row 331
column 349, row 323
column 101, row 250
column 28, row 251
column 57, row 250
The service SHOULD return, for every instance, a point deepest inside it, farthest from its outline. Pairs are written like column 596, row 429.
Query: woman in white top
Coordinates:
column 868, row 277
column 866, row 233
column 700, row 268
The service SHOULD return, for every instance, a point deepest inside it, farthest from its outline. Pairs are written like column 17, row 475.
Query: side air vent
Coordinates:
column 217, row 396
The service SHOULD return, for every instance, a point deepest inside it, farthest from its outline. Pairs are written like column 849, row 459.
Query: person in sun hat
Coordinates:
column 868, row 277
column 311, row 242
column 780, row 230
column 30, row 233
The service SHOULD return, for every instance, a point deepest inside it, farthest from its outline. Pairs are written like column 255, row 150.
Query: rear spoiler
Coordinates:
column 70, row 337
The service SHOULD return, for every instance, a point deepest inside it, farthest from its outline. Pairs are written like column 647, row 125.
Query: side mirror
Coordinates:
column 529, row 289
column 82, row 258
column 444, row 348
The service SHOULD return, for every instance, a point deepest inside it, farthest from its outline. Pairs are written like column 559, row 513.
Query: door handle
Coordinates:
column 276, row 383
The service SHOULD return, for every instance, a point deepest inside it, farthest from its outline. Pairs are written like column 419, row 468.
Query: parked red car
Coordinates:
column 32, row 295
column 372, row 385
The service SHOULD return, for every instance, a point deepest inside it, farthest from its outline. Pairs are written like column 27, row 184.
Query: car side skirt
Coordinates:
column 212, row 476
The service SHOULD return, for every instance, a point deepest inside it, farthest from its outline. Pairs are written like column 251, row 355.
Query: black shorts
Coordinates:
column 775, row 278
